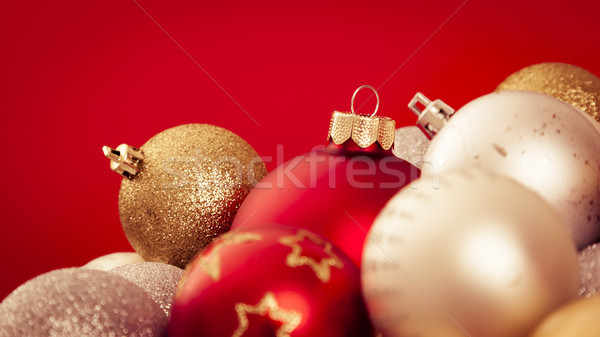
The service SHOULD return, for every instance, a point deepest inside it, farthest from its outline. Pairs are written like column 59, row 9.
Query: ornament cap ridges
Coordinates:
column 124, row 159
column 364, row 130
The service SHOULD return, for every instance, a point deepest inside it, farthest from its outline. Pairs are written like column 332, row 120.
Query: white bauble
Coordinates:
column 473, row 254
column 113, row 260
column 545, row 144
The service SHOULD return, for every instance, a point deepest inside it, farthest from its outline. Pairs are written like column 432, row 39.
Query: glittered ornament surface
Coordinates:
column 270, row 281
column 190, row 185
column 79, row 302
column 113, row 260
column 589, row 270
column 545, row 144
column 566, row 82
column 469, row 253
column 411, row 144
column 159, row 280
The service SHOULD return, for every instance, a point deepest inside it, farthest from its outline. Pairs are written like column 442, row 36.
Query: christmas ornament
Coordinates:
column 410, row 144
column 110, row 261
column 545, row 144
column 336, row 191
column 589, row 270
column 578, row 318
column 470, row 254
column 80, row 302
column 182, row 189
column 566, row 82
column 270, row 281
column 159, row 280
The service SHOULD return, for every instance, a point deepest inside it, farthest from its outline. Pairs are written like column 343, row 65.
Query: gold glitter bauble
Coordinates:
column 566, row 82
column 188, row 188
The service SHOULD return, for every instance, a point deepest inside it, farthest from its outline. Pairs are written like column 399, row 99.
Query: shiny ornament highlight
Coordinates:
column 469, row 253
column 545, row 144
column 567, row 82
column 113, row 260
column 578, row 318
column 182, row 189
column 80, row 302
column 270, row 281
column 159, row 280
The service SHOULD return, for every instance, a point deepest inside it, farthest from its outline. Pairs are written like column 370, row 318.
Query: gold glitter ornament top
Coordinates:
column 566, row 82
column 188, row 188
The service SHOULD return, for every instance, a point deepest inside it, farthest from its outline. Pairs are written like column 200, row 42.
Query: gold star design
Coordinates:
column 267, row 306
column 296, row 259
column 211, row 262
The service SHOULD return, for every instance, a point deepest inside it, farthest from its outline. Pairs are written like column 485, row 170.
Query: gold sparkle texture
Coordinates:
column 566, row 82
column 267, row 306
column 295, row 258
column 190, row 185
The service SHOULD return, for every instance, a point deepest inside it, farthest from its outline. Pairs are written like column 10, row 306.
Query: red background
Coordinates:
column 77, row 75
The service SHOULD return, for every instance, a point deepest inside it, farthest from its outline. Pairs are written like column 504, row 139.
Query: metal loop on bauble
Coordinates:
column 354, row 96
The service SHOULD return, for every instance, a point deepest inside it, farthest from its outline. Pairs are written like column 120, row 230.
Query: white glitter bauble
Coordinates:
column 159, row 280
column 475, row 254
column 545, row 144
column 410, row 144
column 80, row 302
column 589, row 270
column 110, row 261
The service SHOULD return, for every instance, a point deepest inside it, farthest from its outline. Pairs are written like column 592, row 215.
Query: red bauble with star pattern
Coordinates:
column 344, row 185
column 270, row 281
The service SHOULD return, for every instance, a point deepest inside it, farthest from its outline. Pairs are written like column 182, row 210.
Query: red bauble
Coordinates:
column 336, row 192
column 270, row 281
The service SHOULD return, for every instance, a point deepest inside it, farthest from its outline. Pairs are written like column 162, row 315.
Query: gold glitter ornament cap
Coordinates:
column 364, row 130
column 566, row 82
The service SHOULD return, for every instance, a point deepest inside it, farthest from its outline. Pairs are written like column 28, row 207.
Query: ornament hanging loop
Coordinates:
column 356, row 92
